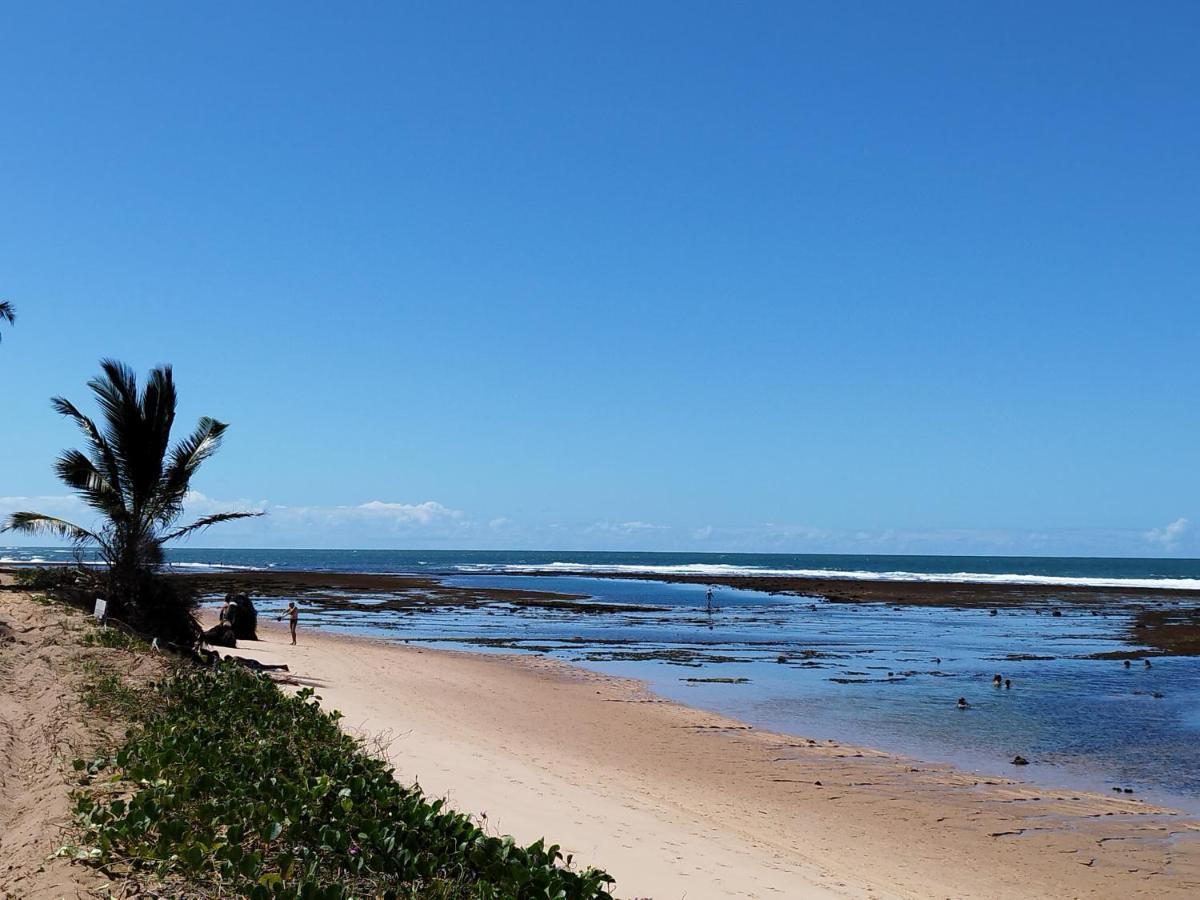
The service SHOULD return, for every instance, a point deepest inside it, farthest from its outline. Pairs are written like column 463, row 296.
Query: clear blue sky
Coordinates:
column 838, row 276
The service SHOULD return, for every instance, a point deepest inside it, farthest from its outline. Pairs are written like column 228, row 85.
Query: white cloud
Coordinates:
column 634, row 527
column 426, row 513
column 1168, row 536
column 63, row 506
column 373, row 523
column 198, row 504
column 431, row 524
column 370, row 523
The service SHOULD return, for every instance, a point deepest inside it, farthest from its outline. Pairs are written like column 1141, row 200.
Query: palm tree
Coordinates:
column 8, row 312
column 137, row 484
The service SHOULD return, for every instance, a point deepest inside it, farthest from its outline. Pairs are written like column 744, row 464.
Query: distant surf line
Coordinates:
column 716, row 570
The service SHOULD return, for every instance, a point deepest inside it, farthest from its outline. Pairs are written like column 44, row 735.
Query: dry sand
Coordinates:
column 674, row 802
column 679, row 803
column 43, row 726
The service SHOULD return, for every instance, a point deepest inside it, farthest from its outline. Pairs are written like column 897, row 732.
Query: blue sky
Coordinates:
column 799, row 277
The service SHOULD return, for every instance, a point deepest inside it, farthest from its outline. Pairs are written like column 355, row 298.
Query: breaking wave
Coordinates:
column 715, row 570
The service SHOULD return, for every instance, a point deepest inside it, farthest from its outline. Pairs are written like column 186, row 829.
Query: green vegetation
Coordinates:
column 231, row 787
column 114, row 639
column 225, row 785
column 45, row 578
column 137, row 483
column 105, row 690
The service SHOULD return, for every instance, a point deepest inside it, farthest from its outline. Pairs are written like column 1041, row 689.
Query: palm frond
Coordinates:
column 116, row 391
column 204, row 522
column 80, row 473
column 104, row 459
column 129, row 473
column 185, row 460
column 157, row 404
column 8, row 312
column 116, row 394
column 37, row 523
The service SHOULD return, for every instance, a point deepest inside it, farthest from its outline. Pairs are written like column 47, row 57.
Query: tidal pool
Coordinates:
column 875, row 675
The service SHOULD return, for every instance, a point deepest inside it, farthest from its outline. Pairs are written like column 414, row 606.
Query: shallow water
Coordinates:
column 868, row 674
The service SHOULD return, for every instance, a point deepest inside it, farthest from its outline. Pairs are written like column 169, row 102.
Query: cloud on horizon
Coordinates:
column 381, row 521
column 380, row 524
column 1170, row 535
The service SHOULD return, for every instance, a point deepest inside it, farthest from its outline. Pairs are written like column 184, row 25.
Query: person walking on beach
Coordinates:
column 293, row 614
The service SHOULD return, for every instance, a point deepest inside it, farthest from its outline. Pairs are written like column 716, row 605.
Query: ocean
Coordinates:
column 1118, row 572
column 871, row 674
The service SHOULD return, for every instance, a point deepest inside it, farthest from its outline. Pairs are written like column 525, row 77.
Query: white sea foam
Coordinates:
column 714, row 570
column 38, row 560
column 201, row 565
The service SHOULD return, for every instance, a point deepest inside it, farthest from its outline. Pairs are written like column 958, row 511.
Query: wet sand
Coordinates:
column 678, row 802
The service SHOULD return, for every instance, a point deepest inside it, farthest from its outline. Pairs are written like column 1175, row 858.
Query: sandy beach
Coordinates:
column 43, row 726
column 679, row 803
column 709, row 451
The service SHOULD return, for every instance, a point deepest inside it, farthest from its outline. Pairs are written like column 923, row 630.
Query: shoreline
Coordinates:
column 1165, row 619
column 675, row 800
column 948, row 592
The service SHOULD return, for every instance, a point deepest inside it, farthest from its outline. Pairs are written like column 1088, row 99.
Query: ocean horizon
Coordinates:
column 1131, row 572
column 876, row 674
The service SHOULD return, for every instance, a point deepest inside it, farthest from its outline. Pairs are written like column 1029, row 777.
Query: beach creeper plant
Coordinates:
column 137, row 482
column 227, row 786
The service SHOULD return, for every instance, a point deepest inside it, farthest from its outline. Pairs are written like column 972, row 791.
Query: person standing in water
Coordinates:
column 293, row 614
